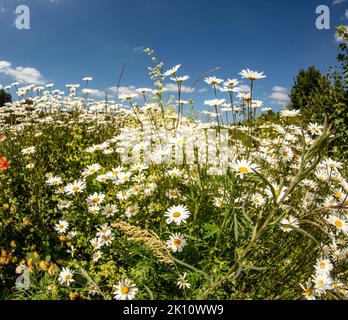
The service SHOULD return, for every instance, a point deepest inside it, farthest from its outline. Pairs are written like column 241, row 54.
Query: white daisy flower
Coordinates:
column 62, row 226
column 132, row 210
column 183, row 283
column 177, row 214
column 125, row 290
column 75, row 187
column 290, row 221
column 95, row 199
column 243, row 167
column 176, row 242
column 66, row 276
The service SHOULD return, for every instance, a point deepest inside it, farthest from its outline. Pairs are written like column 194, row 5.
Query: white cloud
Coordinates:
column 96, row 93
column 346, row 13
column 171, row 87
column 202, row 90
column 338, row 2
column 279, row 95
column 279, row 89
column 21, row 74
column 138, row 49
column 244, row 88
column 123, row 90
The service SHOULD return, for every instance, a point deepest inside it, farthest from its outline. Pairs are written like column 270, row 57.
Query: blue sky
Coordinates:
column 70, row 39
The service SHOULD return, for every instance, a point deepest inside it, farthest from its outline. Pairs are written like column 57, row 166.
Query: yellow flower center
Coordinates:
column 96, row 200
column 243, row 170
column 124, row 290
column 308, row 292
column 322, row 265
column 177, row 242
column 338, row 224
column 67, row 277
column 94, row 244
column 76, row 188
column 320, row 283
column 176, row 214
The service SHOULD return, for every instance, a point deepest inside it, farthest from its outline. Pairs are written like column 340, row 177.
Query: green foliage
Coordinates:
column 4, row 97
column 306, row 84
column 326, row 96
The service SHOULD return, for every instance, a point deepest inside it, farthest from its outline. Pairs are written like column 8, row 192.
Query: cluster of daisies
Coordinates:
column 148, row 134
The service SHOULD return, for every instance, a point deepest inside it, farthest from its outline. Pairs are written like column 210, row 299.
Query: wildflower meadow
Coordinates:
column 132, row 199
column 148, row 195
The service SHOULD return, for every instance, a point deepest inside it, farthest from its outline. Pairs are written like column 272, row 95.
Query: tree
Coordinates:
column 326, row 96
column 305, row 85
column 4, row 97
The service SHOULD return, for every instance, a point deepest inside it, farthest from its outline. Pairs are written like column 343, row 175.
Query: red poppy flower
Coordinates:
column 4, row 164
column 2, row 138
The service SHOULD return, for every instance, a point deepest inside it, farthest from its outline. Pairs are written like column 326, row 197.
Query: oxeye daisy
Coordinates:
column 322, row 282
column 251, row 75
column 96, row 256
column 96, row 243
column 93, row 209
column 96, row 199
column 243, row 167
column 339, row 223
column 125, row 290
column 114, row 172
column 123, row 177
column 176, row 242
column 104, row 230
column 173, row 194
column 107, row 239
column 102, row 178
column 62, row 226
column 213, row 81
column 231, row 83
column 258, row 200
column 93, row 168
column 290, row 113
column 63, row 204
column 29, row 150
column 308, row 291
column 332, row 164
column 323, row 266
column 183, row 282
column 315, row 129
column 132, row 210
column 180, row 79
column 66, row 276
column 75, row 187
column 286, row 154
column 177, row 214
column 127, row 96
column 214, row 102
column 172, row 71
column 123, row 195
column 109, row 210
column 287, row 222
column 54, row 181
column 218, row 202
